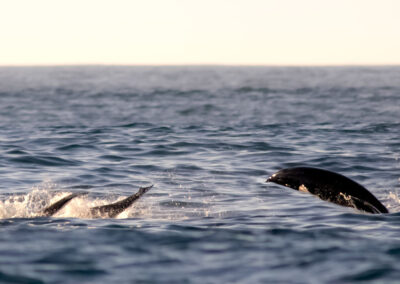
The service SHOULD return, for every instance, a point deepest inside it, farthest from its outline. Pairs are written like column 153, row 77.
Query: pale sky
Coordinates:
column 233, row 32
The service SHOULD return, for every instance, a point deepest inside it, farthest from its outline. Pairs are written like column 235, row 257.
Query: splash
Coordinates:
column 171, row 207
column 393, row 202
column 28, row 205
column 32, row 204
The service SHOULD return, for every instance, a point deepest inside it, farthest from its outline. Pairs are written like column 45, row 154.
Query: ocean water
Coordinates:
column 206, row 138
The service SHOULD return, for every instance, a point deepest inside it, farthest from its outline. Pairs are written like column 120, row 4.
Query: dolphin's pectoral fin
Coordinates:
column 55, row 207
column 329, row 186
column 363, row 205
column 112, row 210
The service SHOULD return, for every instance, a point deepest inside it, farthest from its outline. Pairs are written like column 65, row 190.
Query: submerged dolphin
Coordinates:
column 329, row 186
column 109, row 210
column 55, row 207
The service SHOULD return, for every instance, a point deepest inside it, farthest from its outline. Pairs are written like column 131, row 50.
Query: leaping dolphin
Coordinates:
column 329, row 186
column 109, row 210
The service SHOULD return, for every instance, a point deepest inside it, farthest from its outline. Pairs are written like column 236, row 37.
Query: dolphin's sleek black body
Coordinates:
column 110, row 210
column 329, row 186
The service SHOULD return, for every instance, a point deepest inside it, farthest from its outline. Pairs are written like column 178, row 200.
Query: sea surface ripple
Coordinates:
column 206, row 138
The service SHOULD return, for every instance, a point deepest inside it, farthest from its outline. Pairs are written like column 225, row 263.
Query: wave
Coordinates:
column 150, row 207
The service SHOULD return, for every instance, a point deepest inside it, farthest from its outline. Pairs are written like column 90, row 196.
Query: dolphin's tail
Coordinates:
column 112, row 210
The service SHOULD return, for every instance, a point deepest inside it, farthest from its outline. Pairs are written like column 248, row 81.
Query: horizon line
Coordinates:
column 200, row 65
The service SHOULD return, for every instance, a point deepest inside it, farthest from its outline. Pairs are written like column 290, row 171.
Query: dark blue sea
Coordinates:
column 207, row 138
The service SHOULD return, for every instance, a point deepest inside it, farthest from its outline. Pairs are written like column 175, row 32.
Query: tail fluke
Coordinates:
column 112, row 210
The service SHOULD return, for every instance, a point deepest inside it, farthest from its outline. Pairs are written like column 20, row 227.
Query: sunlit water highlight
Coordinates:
column 206, row 138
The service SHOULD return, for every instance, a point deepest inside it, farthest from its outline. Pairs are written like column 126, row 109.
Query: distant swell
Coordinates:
column 43, row 161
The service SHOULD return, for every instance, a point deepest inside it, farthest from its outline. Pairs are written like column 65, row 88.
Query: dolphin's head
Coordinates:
column 291, row 177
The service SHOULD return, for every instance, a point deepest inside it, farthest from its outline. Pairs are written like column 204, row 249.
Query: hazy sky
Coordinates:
column 250, row 32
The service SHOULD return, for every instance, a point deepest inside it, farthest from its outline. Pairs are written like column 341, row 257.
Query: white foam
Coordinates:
column 393, row 202
column 28, row 205
column 32, row 204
